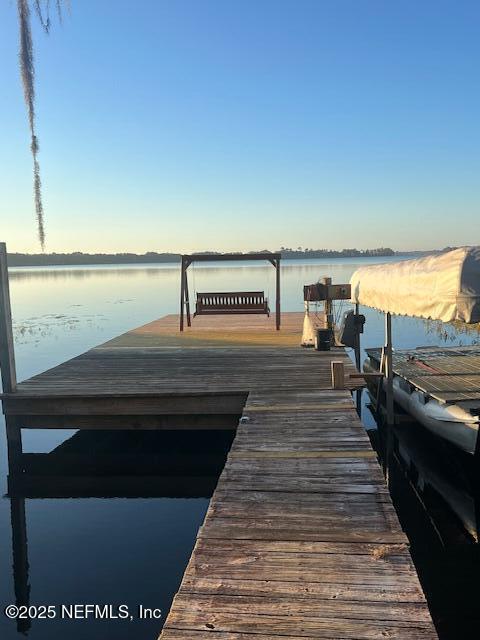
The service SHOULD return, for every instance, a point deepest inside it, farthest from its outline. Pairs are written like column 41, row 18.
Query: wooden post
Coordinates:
column 14, row 445
column 7, row 353
column 328, row 306
column 187, row 298
column 277, row 295
column 389, row 369
column 338, row 374
column 182, row 292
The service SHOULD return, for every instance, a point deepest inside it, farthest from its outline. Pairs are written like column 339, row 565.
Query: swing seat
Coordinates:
column 231, row 302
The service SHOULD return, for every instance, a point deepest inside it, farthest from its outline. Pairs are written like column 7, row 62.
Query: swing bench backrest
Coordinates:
column 231, row 302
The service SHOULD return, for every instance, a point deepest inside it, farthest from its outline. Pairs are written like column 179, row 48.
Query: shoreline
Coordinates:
column 15, row 262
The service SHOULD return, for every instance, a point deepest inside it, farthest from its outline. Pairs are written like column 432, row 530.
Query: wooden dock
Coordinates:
column 301, row 539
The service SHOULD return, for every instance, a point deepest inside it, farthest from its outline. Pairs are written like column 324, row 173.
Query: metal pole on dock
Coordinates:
column 358, row 363
column 7, row 353
column 389, row 369
column 357, row 339
column 187, row 297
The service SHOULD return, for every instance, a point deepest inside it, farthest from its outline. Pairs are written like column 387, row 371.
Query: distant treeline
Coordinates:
column 77, row 258
column 329, row 253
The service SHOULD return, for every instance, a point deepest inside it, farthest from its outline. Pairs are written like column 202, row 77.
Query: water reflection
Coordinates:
column 20, row 560
column 435, row 490
column 112, row 464
column 68, row 273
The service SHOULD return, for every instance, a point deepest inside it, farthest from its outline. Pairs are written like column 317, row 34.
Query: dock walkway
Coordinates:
column 301, row 539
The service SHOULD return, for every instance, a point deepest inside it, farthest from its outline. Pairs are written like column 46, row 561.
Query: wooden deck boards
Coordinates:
column 156, row 370
column 241, row 330
column 301, row 539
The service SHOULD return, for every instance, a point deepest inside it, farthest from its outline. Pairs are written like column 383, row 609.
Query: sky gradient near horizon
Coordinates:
column 210, row 124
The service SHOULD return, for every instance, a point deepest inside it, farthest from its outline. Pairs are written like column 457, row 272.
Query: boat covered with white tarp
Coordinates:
column 420, row 387
column 443, row 286
column 441, row 390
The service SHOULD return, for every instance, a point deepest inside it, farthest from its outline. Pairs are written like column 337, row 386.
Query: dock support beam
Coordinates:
column 389, row 369
column 7, row 365
column 328, row 305
column 184, row 295
column 7, row 354
column 338, row 374
column 14, row 444
column 357, row 348
column 187, row 299
column 277, row 295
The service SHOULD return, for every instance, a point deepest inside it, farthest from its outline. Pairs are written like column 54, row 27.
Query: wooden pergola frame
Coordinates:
column 188, row 259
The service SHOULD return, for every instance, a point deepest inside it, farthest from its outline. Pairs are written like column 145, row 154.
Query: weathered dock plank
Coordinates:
column 319, row 561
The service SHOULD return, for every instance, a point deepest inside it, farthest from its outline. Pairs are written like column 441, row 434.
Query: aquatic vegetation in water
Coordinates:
column 31, row 330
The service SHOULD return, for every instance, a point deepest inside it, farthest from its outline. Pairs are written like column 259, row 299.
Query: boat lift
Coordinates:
column 444, row 287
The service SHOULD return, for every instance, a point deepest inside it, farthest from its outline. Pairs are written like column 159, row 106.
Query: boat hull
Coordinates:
column 452, row 422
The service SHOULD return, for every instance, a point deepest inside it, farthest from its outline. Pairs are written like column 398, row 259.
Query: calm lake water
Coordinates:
column 129, row 550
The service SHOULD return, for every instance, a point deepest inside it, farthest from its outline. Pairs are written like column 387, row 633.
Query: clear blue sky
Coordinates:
column 248, row 124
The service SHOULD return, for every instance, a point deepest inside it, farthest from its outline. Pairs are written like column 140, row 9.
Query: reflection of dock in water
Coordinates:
column 434, row 466
column 93, row 464
column 125, row 464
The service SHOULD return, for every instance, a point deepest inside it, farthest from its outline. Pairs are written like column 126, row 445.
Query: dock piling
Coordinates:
column 338, row 374
column 7, row 353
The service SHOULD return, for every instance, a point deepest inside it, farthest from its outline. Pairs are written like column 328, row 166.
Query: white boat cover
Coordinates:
column 443, row 286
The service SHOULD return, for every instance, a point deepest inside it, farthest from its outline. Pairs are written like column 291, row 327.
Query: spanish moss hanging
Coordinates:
column 27, row 71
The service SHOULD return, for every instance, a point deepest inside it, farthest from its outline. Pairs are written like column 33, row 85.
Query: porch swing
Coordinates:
column 228, row 302
column 225, row 303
